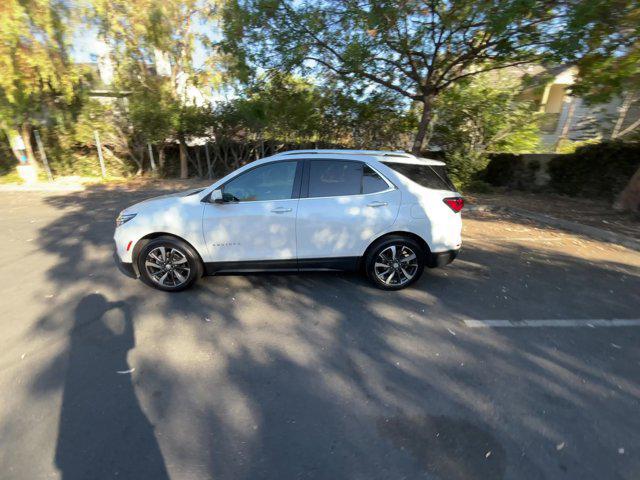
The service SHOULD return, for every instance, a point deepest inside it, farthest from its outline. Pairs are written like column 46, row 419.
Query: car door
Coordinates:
column 344, row 205
column 256, row 220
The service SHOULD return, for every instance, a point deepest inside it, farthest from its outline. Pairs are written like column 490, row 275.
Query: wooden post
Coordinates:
column 151, row 159
column 198, row 163
column 99, row 147
column 206, row 153
column 43, row 155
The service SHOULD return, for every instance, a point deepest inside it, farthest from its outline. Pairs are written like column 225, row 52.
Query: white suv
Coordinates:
column 389, row 213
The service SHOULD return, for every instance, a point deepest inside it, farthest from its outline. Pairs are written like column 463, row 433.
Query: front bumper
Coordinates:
column 125, row 268
column 440, row 259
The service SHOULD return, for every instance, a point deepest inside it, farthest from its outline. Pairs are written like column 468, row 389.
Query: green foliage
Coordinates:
column 11, row 176
column 153, row 113
column 7, row 160
column 601, row 170
column 37, row 75
column 569, row 146
column 502, row 169
column 377, row 121
column 478, row 186
column 603, row 38
column 413, row 49
column 363, row 74
column 275, row 106
column 278, row 105
column 479, row 116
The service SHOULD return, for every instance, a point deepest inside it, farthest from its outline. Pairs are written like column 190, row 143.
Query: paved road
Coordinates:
column 315, row 375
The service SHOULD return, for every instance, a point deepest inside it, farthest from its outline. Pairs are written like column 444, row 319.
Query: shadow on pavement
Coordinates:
column 103, row 432
column 323, row 376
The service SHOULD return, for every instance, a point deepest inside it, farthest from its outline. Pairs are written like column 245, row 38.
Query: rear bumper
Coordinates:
column 440, row 259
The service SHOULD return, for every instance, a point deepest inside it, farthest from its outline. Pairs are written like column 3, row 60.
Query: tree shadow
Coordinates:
column 323, row 376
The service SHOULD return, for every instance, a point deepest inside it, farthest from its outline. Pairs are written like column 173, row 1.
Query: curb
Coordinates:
column 593, row 232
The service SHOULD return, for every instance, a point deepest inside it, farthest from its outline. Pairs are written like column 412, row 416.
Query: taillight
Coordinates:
column 454, row 203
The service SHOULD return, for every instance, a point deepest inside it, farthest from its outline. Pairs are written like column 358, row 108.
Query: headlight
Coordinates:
column 122, row 219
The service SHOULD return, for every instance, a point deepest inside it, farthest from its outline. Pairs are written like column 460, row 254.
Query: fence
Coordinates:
column 219, row 157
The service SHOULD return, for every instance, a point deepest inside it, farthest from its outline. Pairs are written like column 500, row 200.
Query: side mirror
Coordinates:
column 216, row 196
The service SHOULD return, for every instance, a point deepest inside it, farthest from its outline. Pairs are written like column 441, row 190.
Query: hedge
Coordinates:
column 598, row 170
column 501, row 169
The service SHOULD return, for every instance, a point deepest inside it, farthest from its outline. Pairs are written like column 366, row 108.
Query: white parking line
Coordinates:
column 554, row 323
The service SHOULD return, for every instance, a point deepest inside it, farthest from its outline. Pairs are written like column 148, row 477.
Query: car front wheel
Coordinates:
column 395, row 263
column 169, row 264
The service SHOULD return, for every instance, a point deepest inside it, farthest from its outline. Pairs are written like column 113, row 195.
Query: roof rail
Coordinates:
column 377, row 153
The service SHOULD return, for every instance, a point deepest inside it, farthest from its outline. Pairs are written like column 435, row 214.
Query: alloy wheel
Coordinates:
column 167, row 266
column 396, row 265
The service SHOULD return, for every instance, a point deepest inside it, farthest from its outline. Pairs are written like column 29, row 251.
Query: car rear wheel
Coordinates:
column 395, row 263
column 169, row 264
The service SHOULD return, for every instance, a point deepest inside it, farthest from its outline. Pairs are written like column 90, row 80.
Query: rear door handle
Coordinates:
column 281, row 210
column 377, row 204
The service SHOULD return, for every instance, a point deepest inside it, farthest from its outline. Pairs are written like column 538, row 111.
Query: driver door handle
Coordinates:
column 377, row 204
column 281, row 210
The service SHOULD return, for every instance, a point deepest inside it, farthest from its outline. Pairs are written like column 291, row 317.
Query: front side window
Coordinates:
column 334, row 178
column 273, row 181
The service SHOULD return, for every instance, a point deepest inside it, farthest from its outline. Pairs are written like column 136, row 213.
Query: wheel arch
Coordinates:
column 402, row 233
column 147, row 238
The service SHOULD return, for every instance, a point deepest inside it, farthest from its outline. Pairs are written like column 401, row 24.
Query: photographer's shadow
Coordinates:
column 103, row 432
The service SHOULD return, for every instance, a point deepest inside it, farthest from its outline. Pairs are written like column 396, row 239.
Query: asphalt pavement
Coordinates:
column 320, row 375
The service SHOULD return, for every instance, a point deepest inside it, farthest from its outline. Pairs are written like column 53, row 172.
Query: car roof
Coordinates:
column 380, row 155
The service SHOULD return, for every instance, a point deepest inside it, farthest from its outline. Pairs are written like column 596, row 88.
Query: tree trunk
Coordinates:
column 184, row 166
column 424, row 126
column 198, row 162
column 26, row 137
column 141, row 165
column 17, row 153
column 629, row 198
column 161, row 159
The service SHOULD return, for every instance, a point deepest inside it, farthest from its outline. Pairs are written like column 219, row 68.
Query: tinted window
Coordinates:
column 430, row 176
column 273, row 181
column 332, row 178
column 372, row 182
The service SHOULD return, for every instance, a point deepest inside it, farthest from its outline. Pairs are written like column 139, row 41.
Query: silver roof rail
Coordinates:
column 376, row 153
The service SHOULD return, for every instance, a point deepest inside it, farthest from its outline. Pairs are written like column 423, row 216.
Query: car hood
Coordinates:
column 155, row 201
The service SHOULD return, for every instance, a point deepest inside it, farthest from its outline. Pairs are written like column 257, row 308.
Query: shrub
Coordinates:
column 600, row 170
column 478, row 186
column 502, row 168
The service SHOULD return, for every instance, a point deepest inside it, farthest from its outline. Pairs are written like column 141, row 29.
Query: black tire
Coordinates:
column 398, row 276
column 176, row 251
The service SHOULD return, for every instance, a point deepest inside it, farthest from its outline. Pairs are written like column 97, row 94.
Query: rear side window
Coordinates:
column 430, row 176
column 336, row 178
column 371, row 181
column 333, row 178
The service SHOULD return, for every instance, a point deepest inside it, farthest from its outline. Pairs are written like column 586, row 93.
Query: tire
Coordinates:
column 177, row 270
column 394, row 262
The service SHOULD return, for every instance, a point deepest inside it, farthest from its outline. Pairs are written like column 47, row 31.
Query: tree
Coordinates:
column 605, row 36
column 37, row 75
column 415, row 49
column 278, row 105
column 153, row 45
column 480, row 115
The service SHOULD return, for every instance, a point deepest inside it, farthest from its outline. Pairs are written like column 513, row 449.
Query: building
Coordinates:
column 567, row 118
